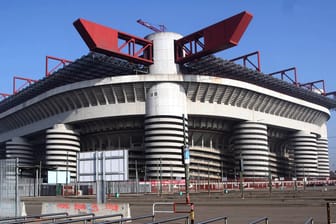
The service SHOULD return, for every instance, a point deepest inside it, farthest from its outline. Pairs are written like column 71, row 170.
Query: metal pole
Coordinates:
column 171, row 177
column 304, row 178
column 208, row 180
column 57, row 182
column 186, row 165
column 67, row 168
column 270, row 182
column 1, row 177
column 77, row 172
column 40, row 175
column 36, row 182
column 103, row 183
column 17, row 197
column 222, row 172
column 136, row 177
column 241, row 176
column 328, row 213
column 242, row 184
column 222, row 176
column 160, row 177
column 98, row 193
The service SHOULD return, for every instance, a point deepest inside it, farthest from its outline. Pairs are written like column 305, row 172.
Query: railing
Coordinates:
column 261, row 220
column 90, row 215
column 185, row 217
column 88, row 219
column 176, row 208
column 161, row 211
column 26, row 219
column 214, row 220
column 309, row 221
column 123, row 220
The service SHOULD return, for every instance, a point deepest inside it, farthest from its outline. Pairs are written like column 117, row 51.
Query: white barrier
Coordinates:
column 74, row 208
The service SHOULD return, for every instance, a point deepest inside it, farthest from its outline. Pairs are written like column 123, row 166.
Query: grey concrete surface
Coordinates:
column 279, row 207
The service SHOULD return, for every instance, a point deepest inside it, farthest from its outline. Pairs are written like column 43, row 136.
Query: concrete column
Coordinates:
column 19, row 147
column 62, row 146
column 304, row 146
column 323, row 168
column 165, row 106
column 251, row 148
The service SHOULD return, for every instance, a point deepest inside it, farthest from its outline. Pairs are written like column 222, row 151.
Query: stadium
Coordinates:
column 152, row 96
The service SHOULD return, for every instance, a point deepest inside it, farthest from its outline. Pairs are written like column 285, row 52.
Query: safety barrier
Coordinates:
column 58, row 219
column 123, row 220
column 26, row 219
column 261, row 220
column 88, row 219
column 52, row 219
column 162, row 211
column 175, row 209
column 309, row 221
column 55, row 218
column 214, row 220
column 185, row 217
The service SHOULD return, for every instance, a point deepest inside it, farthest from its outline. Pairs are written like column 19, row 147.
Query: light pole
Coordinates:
column 186, row 160
column 242, row 176
column 160, row 177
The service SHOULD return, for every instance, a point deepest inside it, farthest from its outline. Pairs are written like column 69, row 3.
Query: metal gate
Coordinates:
column 9, row 197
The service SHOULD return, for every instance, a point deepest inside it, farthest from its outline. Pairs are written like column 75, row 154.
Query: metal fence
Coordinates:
column 112, row 188
column 28, row 187
column 12, row 187
column 9, row 200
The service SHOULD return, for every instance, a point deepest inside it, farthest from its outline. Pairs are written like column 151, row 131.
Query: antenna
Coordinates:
column 161, row 28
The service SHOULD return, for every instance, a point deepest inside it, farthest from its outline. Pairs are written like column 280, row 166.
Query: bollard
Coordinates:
column 328, row 213
column 192, row 214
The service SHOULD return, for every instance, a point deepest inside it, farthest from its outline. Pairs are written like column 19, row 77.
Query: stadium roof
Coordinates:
column 95, row 65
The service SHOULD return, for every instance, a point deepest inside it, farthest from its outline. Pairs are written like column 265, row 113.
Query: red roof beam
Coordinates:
column 4, row 95
column 246, row 57
column 61, row 61
column 283, row 74
column 313, row 87
column 331, row 94
column 112, row 42
column 217, row 37
column 26, row 82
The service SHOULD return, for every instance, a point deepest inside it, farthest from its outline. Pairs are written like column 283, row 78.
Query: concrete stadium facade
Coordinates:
column 231, row 117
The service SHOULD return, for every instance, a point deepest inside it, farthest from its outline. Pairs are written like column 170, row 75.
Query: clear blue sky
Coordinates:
column 288, row 33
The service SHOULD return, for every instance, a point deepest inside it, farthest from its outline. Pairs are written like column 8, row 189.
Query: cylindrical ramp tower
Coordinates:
column 164, row 53
column 62, row 146
column 19, row 148
column 304, row 145
column 251, row 149
column 323, row 157
column 164, row 128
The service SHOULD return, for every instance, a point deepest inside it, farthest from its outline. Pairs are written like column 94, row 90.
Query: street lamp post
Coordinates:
column 186, row 160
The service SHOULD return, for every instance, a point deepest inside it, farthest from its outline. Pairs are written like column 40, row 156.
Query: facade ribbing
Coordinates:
column 62, row 146
column 231, row 121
